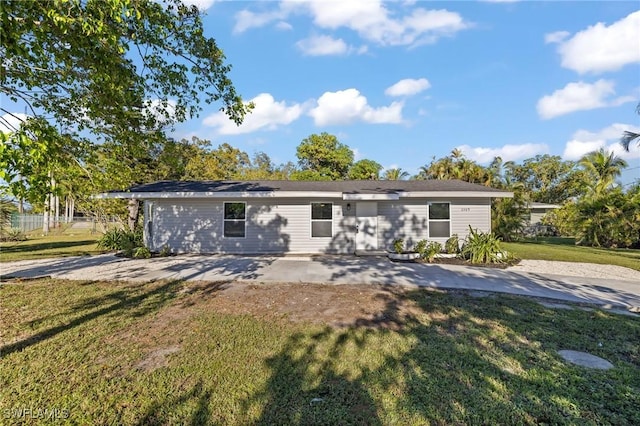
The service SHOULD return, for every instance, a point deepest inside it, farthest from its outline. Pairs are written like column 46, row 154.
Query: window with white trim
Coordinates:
column 439, row 220
column 321, row 219
column 235, row 219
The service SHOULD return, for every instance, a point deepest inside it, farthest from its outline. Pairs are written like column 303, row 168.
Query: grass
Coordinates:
column 59, row 243
column 74, row 346
column 564, row 249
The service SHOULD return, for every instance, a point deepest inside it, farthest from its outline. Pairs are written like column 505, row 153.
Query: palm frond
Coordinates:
column 627, row 138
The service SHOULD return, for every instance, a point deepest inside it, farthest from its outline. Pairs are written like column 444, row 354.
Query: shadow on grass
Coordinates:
column 124, row 302
column 156, row 416
column 27, row 247
column 455, row 360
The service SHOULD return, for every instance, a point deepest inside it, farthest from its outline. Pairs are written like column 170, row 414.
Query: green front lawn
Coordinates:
column 159, row 353
column 57, row 244
column 564, row 249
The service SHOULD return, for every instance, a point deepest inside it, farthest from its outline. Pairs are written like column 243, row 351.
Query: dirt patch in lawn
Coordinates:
column 333, row 305
column 337, row 306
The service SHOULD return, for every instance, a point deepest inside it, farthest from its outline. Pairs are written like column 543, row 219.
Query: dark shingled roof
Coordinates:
column 348, row 186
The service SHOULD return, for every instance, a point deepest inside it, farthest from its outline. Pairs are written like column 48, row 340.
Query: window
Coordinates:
column 234, row 220
column 321, row 219
column 439, row 220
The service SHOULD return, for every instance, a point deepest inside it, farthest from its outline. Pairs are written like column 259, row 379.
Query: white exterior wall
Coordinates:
column 408, row 219
column 272, row 226
column 284, row 225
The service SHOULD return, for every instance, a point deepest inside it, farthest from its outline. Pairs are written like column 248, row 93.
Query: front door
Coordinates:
column 367, row 226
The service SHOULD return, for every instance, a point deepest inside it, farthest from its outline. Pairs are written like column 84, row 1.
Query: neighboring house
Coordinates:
column 307, row 217
column 537, row 212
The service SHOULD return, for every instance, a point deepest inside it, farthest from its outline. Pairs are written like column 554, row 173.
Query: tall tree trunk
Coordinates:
column 56, row 220
column 72, row 208
column 134, row 212
column 21, row 206
column 45, row 221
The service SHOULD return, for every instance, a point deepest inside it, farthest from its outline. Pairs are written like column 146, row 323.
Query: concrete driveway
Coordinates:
column 332, row 270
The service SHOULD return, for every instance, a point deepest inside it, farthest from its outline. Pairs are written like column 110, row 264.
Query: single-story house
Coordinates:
column 307, row 217
column 538, row 210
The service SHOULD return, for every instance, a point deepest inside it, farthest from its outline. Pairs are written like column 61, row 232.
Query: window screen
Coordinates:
column 234, row 220
column 321, row 219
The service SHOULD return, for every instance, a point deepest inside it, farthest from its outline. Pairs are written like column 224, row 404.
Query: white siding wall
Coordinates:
column 408, row 219
column 405, row 219
column 284, row 225
column 272, row 226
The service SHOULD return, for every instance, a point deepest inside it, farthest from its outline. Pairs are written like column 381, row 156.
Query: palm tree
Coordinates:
column 603, row 167
column 395, row 174
column 628, row 136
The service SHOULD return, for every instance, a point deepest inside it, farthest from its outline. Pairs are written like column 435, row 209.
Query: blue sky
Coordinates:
column 403, row 82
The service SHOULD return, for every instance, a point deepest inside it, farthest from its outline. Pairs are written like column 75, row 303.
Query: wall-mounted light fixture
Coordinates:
column 348, row 206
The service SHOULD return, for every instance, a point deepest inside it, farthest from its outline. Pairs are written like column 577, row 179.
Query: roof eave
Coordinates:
column 305, row 194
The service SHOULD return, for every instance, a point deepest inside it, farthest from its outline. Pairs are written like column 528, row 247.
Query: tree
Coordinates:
column 628, row 136
column 547, row 178
column 456, row 166
column 365, row 170
column 224, row 162
column 508, row 215
column 112, row 65
column 109, row 75
column 395, row 174
column 602, row 168
column 323, row 157
column 262, row 168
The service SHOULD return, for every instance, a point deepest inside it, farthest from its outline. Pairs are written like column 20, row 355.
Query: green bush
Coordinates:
column 111, row 240
column 13, row 234
column 452, row 246
column 482, row 247
column 123, row 240
column 398, row 245
column 141, row 253
column 428, row 249
column 165, row 251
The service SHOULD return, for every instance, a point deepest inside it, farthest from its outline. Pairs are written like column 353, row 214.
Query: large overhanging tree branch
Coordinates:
column 123, row 70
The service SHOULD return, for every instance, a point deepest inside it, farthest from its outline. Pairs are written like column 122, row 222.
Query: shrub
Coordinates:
column 13, row 234
column 428, row 249
column 452, row 246
column 420, row 246
column 120, row 239
column 141, row 253
column 482, row 247
column 165, row 251
column 398, row 245
column 111, row 240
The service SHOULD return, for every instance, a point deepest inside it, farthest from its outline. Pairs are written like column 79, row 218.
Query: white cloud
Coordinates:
column 372, row 20
column 163, row 112
column 408, row 87
column 580, row 96
column 246, row 19
column 347, row 106
column 357, row 155
column 284, row 26
column 584, row 142
column 509, row 152
column 556, row 37
column 201, row 4
column 602, row 48
column 322, row 45
column 9, row 123
column 266, row 115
